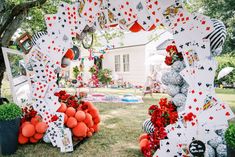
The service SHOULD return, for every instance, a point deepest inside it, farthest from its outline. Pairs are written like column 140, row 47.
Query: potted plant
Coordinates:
column 230, row 140
column 10, row 115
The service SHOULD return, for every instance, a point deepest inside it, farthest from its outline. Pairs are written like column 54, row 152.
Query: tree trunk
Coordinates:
column 11, row 17
column 2, row 69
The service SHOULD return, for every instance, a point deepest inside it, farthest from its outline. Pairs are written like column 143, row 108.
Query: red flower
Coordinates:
column 168, row 60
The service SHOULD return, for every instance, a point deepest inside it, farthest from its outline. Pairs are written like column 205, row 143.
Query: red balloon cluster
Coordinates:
column 32, row 131
column 83, row 121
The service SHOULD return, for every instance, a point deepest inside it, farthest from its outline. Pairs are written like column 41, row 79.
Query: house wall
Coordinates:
column 136, row 74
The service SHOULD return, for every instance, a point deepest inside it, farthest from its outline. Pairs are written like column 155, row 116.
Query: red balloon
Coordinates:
column 136, row 27
column 152, row 27
column 70, row 54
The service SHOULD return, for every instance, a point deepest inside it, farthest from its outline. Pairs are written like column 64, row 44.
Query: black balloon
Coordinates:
column 76, row 51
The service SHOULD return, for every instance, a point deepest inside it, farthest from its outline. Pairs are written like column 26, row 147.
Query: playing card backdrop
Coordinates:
column 190, row 30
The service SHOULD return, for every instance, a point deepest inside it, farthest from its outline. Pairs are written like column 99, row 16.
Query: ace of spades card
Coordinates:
column 144, row 18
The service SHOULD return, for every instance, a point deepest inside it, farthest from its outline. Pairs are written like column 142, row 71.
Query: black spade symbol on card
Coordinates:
column 202, row 68
column 167, row 143
column 210, row 69
column 199, row 83
column 182, row 29
column 203, row 46
column 63, row 13
column 114, row 9
column 208, row 85
column 140, row 7
column 197, row 148
column 149, row 17
column 168, row 151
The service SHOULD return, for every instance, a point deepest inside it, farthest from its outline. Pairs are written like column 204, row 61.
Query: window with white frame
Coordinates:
column 126, row 65
column 117, row 63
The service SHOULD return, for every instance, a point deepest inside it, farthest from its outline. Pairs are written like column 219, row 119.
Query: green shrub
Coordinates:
column 9, row 111
column 230, row 136
column 104, row 76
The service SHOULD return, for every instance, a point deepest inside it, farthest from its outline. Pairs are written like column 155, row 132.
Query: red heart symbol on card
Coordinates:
column 211, row 118
column 153, row 12
column 193, row 123
column 156, row 2
column 90, row 9
column 50, row 24
column 193, row 91
column 48, row 18
column 122, row 6
column 200, row 93
column 127, row 3
column 195, row 100
column 85, row 14
column 208, row 28
column 197, row 108
column 190, row 107
column 150, row 6
column 227, row 114
column 54, row 17
column 95, row 3
column 157, row 20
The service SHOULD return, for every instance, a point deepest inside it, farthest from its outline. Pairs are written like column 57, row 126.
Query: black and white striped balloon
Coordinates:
column 148, row 126
column 37, row 36
column 217, row 37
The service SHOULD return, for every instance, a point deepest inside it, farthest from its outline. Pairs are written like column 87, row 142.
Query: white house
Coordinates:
column 138, row 55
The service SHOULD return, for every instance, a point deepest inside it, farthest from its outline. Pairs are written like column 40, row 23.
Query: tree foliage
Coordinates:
column 223, row 10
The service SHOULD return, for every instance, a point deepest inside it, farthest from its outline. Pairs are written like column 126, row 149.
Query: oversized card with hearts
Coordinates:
column 154, row 10
column 52, row 24
column 128, row 11
column 90, row 10
column 39, row 89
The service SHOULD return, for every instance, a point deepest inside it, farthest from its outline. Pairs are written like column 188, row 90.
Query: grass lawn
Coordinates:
column 120, row 128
